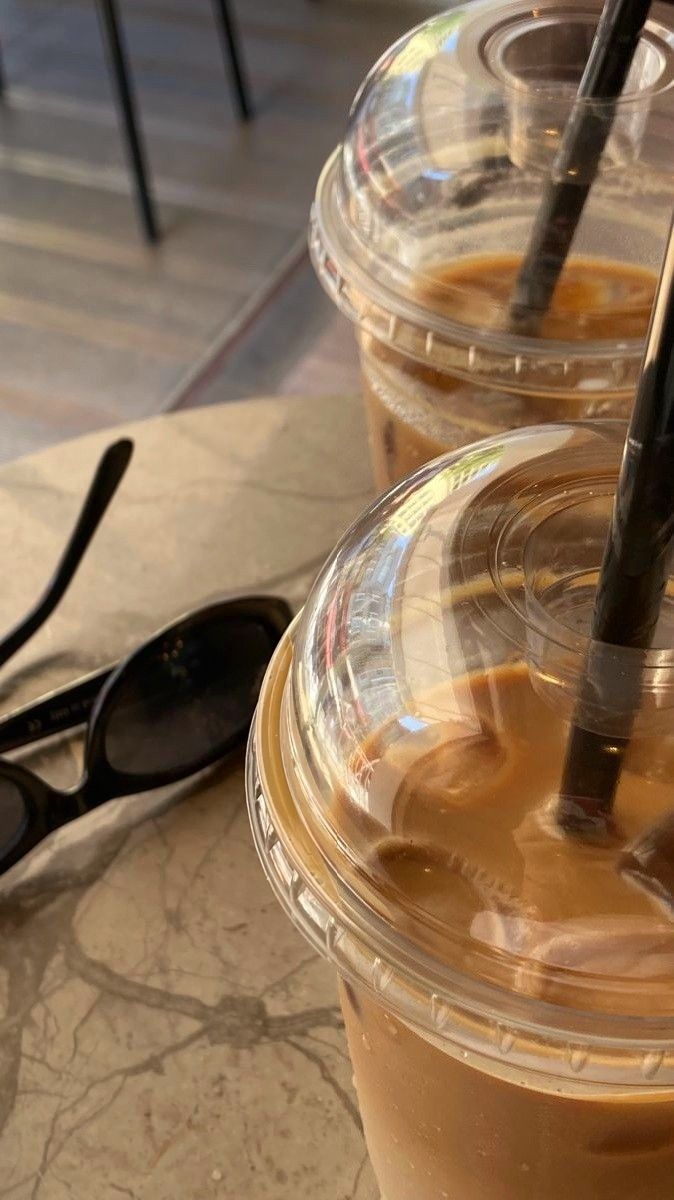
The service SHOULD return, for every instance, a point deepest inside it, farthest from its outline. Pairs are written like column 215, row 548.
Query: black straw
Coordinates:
column 634, row 572
column 577, row 161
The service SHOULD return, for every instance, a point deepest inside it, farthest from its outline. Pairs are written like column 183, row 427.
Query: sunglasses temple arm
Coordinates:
column 61, row 710
column 109, row 474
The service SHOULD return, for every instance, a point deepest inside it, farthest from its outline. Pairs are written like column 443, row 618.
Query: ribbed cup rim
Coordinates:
column 394, row 318
column 511, row 1029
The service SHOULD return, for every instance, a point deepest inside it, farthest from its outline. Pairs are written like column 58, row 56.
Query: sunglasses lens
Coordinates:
column 187, row 695
column 13, row 816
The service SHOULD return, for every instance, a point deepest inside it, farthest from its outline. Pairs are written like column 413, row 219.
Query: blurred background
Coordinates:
column 98, row 324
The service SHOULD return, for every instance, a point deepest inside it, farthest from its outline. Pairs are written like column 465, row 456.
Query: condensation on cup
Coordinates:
column 507, row 989
column 424, row 211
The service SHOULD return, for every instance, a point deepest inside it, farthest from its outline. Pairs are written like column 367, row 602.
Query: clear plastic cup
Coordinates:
column 423, row 213
column 507, row 989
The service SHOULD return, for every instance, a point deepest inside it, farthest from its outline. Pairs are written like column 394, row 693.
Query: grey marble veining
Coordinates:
column 164, row 1032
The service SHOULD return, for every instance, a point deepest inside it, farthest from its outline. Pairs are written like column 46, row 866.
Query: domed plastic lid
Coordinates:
column 450, row 142
column 425, row 719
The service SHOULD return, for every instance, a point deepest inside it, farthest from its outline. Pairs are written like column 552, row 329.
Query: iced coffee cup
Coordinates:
column 424, row 212
column 507, row 988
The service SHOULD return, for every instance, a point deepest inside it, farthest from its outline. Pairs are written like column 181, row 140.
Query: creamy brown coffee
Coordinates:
column 441, row 1127
column 416, row 411
column 460, row 830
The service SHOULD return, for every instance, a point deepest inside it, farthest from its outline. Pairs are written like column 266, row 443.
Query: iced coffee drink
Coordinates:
column 507, row 986
column 442, row 1123
column 416, row 411
column 425, row 211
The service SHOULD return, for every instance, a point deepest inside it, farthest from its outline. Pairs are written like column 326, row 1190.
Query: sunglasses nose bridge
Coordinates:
column 90, row 790
column 64, row 805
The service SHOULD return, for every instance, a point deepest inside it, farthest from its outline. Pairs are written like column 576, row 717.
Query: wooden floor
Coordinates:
column 298, row 344
column 94, row 326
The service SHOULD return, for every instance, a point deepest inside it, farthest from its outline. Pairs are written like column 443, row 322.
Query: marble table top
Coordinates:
column 164, row 1031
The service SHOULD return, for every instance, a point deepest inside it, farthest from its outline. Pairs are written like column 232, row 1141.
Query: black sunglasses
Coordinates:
column 181, row 702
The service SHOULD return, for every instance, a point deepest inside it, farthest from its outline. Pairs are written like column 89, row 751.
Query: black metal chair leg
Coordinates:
column 233, row 59
column 2, row 74
column 121, row 79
